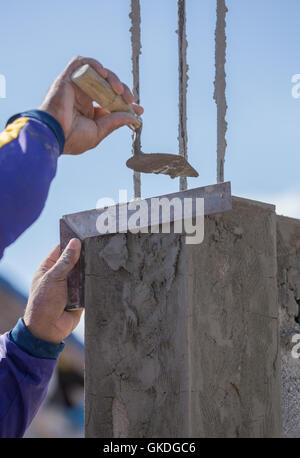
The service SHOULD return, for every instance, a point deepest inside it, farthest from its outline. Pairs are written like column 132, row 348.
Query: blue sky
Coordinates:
column 37, row 39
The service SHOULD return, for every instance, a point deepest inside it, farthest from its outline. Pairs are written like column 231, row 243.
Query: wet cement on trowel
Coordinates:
column 135, row 31
column 220, row 87
column 173, row 165
column 183, row 83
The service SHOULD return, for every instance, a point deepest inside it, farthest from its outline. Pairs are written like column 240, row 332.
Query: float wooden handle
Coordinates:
column 96, row 87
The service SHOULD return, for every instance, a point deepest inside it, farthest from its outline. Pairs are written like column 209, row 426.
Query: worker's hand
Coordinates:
column 83, row 124
column 45, row 316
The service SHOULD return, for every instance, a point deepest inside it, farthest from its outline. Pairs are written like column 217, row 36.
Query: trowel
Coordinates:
column 100, row 91
column 83, row 225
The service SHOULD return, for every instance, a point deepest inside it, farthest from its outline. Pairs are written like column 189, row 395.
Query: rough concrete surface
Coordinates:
column 182, row 340
column 288, row 252
column 136, row 352
column 235, row 370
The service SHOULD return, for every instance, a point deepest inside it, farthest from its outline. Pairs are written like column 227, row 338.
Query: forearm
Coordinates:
column 26, row 367
column 29, row 149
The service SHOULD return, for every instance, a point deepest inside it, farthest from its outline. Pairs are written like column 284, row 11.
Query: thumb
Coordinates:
column 67, row 260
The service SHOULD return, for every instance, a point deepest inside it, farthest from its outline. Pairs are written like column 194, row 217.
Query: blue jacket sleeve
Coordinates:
column 29, row 148
column 24, row 380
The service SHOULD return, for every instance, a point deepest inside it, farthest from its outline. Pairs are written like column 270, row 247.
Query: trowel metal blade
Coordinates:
column 162, row 163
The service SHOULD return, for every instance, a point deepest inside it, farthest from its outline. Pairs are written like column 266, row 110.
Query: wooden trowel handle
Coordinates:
column 96, row 87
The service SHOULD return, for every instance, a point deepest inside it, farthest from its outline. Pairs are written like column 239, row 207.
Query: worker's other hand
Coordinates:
column 45, row 316
column 83, row 124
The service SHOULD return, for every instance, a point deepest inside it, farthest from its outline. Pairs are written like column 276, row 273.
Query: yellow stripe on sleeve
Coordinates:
column 12, row 131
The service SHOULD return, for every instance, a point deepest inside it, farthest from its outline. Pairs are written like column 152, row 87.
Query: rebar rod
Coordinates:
column 183, row 83
column 135, row 30
column 220, row 87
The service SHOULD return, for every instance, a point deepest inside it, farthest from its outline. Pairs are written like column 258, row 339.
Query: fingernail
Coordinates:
column 74, row 244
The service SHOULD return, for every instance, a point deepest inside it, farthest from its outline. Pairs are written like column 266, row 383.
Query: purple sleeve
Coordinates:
column 29, row 148
column 24, row 382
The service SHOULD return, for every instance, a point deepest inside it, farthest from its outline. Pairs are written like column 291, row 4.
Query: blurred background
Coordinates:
column 37, row 39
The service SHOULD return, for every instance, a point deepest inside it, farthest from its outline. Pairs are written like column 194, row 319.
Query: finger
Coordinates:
column 67, row 260
column 99, row 112
column 114, row 82
column 107, row 124
column 138, row 109
column 78, row 61
column 127, row 94
column 51, row 259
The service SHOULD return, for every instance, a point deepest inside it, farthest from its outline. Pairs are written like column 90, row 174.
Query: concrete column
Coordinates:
column 182, row 340
column 288, row 251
